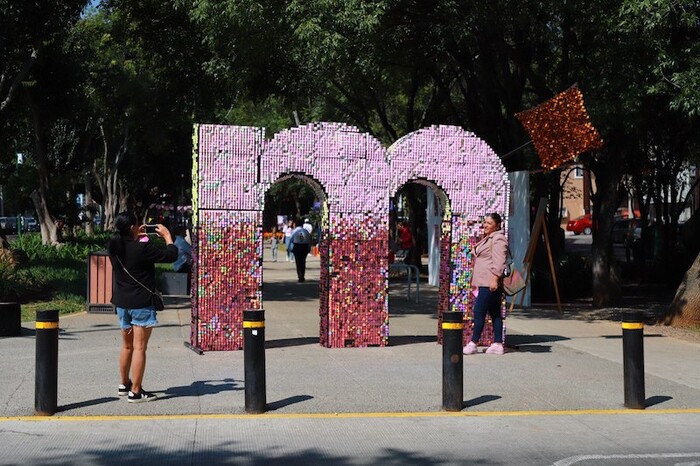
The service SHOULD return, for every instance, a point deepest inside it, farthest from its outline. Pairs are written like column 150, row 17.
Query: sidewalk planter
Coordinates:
column 10, row 320
column 99, row 283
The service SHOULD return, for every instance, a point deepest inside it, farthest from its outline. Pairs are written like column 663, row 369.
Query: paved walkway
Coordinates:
column 559, row 367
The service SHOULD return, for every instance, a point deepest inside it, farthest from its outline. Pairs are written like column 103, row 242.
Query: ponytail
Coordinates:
column 122, row 224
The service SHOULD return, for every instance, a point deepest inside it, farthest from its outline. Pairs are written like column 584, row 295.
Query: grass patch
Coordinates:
column 65, row 305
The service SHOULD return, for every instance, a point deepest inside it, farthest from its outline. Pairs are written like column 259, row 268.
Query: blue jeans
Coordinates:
column 287, row 242
column 488, row 302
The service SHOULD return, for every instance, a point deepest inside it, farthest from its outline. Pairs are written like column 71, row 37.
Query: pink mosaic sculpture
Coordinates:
column 354, row 176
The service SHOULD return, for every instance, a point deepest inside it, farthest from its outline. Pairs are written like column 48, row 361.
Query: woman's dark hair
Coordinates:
column 122, row 224
column 496, row 218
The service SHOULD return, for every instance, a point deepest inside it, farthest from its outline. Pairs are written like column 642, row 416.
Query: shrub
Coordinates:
column 76, row 248
column 18, row 285
column 56, row 273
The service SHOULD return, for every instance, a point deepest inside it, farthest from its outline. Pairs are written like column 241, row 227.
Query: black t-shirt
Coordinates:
column 139, row 260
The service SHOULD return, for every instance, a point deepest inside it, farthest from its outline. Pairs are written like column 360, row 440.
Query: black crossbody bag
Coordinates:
column 156, row 297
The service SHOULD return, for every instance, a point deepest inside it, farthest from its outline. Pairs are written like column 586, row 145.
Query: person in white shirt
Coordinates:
column 307, row 226
column 301, row 245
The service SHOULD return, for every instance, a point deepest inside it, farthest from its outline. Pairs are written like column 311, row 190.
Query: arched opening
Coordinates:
column 422, row 207
column 292, row 307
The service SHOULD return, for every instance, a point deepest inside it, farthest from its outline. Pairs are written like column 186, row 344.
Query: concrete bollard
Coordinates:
column 633, row 358
column 452, row 361
column 46, row 380
column 254, row 360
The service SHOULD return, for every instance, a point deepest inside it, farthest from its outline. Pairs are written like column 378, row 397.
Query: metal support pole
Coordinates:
column 46, row 382
column 452, row 361
column 254, row 360
column 633, row 358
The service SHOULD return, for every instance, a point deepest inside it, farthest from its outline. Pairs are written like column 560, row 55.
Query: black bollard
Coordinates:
column 452, row 361
column 254, row 360
column 46, row 380
column 633, row 358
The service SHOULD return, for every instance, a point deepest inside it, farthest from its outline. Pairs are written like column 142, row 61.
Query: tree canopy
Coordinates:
column 106, row 96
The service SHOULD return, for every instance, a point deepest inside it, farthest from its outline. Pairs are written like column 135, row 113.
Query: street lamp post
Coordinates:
column 18, row 162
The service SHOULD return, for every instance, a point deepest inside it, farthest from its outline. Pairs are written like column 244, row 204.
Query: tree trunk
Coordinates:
column 607, row 289
column 49, row 230
column 684, row 310
column 88, row 214
column 108, row 179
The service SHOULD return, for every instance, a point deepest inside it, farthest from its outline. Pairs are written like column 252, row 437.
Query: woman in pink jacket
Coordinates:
column 489, row 262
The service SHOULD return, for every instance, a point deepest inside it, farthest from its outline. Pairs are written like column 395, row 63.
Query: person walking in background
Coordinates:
column 301, row 245
column 287, row 230
column 274, row 244
column 307, row 226
column 489, row 263
column 133, row 264
column 405, row 241
column 183, row 264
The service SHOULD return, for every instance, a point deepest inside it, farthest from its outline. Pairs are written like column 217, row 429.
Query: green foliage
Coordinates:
column 55, row 278
column 75, row 250
column 19, row 284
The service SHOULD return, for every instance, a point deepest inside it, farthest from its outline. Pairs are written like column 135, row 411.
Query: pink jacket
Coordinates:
column 489, row 258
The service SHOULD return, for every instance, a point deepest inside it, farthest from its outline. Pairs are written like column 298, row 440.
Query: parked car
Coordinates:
column 30, row 224
column 583, row 224
column 8, row 225
column 625, row 231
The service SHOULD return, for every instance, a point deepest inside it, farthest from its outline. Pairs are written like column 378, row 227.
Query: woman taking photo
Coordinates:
column 133, row 258
column 489, row 263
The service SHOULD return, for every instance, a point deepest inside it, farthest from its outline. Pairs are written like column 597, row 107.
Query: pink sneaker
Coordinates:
column 470, row 348
column 495, row 348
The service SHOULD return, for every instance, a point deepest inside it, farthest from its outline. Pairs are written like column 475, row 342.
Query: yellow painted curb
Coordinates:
column 582, row 412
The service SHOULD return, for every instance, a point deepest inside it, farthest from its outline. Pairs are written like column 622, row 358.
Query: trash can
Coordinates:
column 175, row 284
column 99, row 283
column 10, row 320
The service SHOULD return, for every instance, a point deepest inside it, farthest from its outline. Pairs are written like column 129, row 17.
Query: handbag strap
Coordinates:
column 132, row 277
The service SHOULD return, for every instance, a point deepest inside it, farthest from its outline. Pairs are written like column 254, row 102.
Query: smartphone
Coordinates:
column 151, row 229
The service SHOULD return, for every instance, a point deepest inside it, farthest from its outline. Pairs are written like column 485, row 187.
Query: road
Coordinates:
column 582, row 244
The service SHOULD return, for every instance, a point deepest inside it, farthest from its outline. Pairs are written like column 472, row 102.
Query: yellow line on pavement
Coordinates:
column 581, row 412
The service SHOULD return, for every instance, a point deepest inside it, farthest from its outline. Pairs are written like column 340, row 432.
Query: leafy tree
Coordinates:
column 26, row 29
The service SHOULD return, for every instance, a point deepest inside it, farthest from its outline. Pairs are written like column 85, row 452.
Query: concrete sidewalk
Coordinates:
column 555, row 398
column 557, row 364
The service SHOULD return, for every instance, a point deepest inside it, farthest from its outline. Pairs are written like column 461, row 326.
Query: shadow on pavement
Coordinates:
column 288, row 401
column 656, row 400
column 291, row 291
column 286, row 342
column 515, row 339
column 236, row 452
column 411, row 339
column 479, row 400
column 84, row 404
column 529, row 343
column 200, row 388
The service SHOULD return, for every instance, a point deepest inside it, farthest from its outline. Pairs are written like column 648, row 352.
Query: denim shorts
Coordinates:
column 143, row 317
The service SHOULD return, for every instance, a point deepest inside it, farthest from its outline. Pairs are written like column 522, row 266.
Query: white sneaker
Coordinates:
column 470, row 348
column 495, row 348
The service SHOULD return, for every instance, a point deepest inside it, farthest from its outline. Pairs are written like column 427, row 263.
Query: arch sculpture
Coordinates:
column 355, row 177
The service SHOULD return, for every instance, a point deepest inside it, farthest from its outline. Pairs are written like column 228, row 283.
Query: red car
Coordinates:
column 583, row 224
